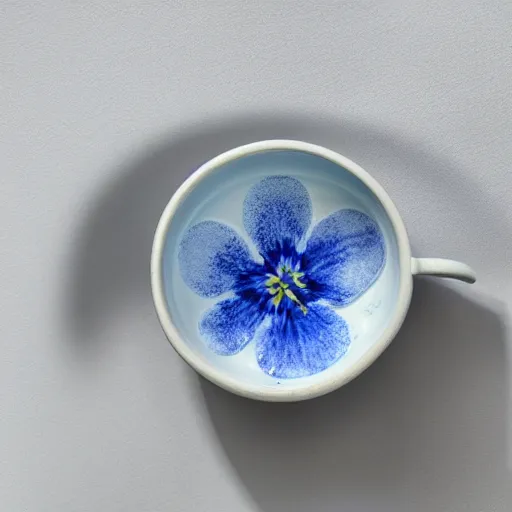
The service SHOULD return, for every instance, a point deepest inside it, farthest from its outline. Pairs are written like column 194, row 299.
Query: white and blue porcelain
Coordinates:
column 281, row 270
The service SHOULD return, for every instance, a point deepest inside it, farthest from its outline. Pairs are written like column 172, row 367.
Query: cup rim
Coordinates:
column 255, row 391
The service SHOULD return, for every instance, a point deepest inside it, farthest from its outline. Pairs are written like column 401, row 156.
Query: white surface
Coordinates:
column 106, row 107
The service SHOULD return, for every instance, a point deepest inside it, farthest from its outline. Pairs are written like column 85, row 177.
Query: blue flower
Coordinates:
column 283, row 303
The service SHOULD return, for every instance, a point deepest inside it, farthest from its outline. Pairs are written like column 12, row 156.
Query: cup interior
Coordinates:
column 221, row 197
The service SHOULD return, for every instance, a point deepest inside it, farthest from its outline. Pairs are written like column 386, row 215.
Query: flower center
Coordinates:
column 281, row 285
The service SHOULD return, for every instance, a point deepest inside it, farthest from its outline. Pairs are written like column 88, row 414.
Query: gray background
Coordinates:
column 105, row 108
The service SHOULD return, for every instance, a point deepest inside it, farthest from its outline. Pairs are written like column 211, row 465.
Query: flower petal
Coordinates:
column 302, row 345
column 277, row 211
column 344, row 256
column 211, row 257
column 229, row 325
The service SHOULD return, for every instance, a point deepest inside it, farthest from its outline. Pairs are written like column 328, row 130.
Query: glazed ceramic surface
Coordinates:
column 281, row 270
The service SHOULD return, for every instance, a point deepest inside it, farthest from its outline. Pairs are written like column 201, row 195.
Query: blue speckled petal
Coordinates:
column 229, row 325
column 344, row 256
column 277, row 211
column 211, row 257
column 302, row 345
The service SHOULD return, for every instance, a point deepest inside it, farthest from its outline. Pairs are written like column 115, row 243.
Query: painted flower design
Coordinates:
column 285, row 301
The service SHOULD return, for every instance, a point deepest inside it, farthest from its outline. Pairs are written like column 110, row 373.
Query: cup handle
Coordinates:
column 442, row 268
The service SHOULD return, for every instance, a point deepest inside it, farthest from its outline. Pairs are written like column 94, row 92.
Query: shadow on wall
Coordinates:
column 110, row 262
column 424, row 429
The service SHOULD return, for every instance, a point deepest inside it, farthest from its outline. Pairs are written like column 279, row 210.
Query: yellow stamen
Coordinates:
column 294, row 298
column 296, row 279
column 278, row 288
column 277, row 299
column 272, row 281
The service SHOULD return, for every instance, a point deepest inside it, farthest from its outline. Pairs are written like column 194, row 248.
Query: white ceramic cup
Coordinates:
column 175, row 304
